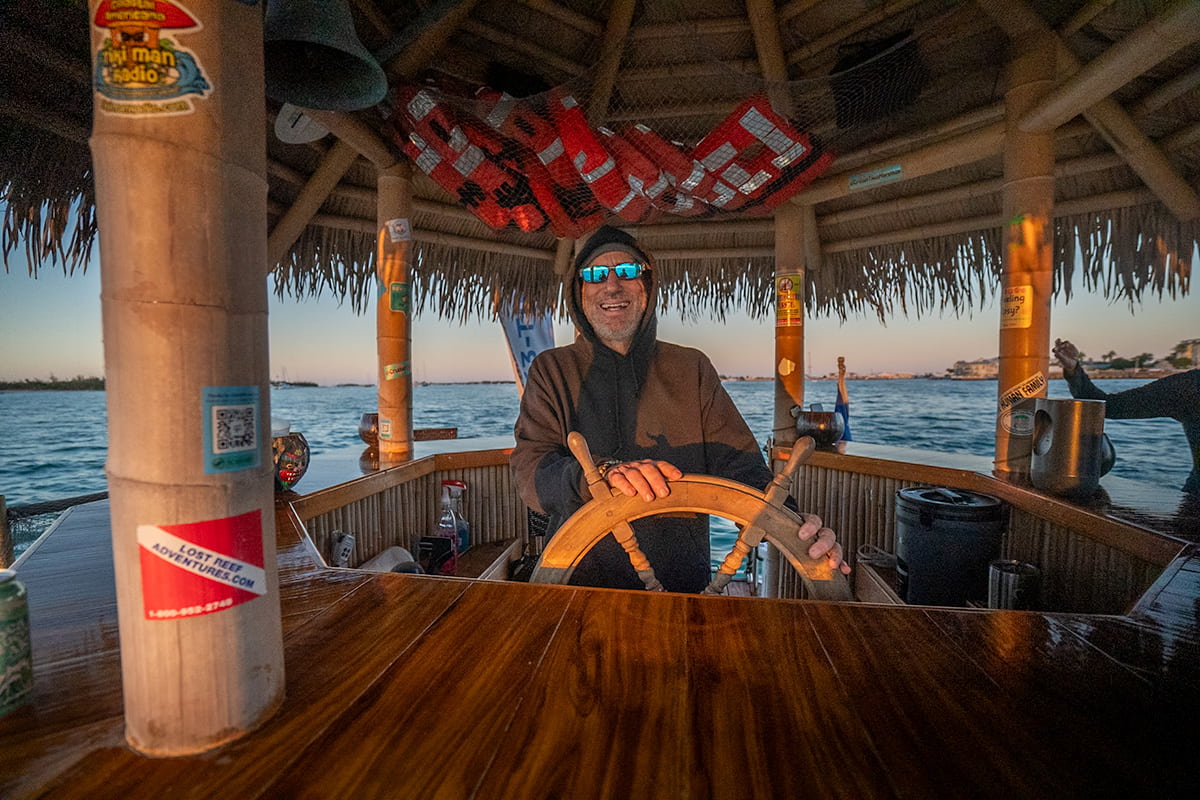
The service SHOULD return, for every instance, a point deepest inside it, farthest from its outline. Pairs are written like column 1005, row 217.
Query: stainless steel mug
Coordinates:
column 1068, row 447
column 1013, row 584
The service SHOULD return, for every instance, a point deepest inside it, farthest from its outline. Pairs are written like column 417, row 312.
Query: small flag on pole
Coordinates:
column 527, row 335
column 841, row 406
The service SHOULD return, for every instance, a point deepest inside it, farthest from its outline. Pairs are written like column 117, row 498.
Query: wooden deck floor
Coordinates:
column 414, row 686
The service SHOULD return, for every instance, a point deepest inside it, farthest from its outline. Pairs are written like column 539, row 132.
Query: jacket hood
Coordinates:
column 609, row 238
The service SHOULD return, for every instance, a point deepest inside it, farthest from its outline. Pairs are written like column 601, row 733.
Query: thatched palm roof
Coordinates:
column 934, row 103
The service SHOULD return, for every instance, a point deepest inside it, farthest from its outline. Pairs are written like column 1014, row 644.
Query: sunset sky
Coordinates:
column 51, row 326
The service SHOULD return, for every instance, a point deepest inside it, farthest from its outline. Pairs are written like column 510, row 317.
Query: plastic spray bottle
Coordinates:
column 443, row 542
column 461, row 525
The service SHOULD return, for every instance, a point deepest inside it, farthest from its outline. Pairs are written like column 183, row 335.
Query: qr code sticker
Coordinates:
column 234, row 429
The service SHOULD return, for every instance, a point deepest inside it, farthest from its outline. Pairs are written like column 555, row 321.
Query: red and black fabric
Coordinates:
column 587, row 154
column 688, row 177
column 644, row 180
column 568, row 202
column 796, row 175
column 466, row 159
column 749, row 153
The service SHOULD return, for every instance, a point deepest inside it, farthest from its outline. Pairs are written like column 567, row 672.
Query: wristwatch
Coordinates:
column 604, row 466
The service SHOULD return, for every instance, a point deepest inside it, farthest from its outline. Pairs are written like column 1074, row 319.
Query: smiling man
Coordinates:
column 649, row 410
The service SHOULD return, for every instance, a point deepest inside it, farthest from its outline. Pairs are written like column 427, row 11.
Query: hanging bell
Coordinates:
column 315, row 60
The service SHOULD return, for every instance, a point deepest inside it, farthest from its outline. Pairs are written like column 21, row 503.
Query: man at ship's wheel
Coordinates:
column 649, row 410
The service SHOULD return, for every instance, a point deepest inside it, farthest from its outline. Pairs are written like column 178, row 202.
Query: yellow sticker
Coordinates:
column 1016, row 307
column 789, row 300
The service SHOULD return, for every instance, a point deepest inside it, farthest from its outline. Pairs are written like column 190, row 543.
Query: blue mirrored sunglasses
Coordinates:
column 626, row 271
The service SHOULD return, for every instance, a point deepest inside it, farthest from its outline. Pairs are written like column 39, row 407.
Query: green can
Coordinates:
column 16, row 656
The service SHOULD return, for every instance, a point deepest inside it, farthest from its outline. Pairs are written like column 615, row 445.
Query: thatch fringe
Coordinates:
column 1123, row 253
column 1126, row 252
column 49, row 214
column 950, row 273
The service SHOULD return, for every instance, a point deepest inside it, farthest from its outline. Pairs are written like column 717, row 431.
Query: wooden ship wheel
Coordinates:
column 758, row 514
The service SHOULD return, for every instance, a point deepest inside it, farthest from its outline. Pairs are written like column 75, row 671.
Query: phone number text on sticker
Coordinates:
column 188, row 611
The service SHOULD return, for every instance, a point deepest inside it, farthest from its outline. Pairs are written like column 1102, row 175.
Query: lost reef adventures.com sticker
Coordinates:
column 141, row 70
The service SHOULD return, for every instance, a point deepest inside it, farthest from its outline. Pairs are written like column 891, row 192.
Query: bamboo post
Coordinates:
column 181, row 197
column 1027, row 279
column 393, row 314
column 789, row 320
column 616, row 32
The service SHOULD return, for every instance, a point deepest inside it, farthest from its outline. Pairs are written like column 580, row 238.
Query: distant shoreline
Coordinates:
column 76, row 384
column 81, row 384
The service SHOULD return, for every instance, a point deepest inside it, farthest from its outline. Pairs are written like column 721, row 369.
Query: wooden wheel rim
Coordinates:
column 703, row 494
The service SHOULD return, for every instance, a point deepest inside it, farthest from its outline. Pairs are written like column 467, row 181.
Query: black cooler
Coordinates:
column 945, row 539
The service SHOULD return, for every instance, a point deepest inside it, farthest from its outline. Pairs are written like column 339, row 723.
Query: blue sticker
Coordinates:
column 232, row 428
column 876, row 177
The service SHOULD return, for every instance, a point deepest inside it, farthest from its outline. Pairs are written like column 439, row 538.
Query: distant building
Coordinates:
column 979, row 369
column 1190, row 348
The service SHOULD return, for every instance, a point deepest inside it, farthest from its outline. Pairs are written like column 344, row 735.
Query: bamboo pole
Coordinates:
column 326, row 176
column 1160, row 38
column 1028, row 261
column 616, row 31
column 181, row 196
column 789, row 320
column 354, row 132
column 393, row 315
column 970, row 147
column 563, row 252
column 412, row 57
column 769, row 46
column 566, row 16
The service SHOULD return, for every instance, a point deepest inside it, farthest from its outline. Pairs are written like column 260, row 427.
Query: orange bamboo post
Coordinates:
column 1026, row 283
column 181, row 196
column 789, row 319
column 393, row 314
column 790, row 252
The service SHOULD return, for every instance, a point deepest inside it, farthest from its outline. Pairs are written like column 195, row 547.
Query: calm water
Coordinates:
column 52, row 444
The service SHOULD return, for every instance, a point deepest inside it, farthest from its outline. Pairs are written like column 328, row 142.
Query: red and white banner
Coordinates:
column 201, row 567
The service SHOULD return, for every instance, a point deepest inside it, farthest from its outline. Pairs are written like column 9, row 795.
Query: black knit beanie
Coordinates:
column 607, row 238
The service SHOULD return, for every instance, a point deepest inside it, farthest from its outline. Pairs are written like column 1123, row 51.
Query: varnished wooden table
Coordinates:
column 405, row 686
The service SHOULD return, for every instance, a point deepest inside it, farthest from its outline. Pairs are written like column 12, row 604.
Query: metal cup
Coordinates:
column 1013, row 584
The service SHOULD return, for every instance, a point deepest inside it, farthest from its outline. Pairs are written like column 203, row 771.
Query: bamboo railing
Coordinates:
column 1089, row 563
column 398, row 506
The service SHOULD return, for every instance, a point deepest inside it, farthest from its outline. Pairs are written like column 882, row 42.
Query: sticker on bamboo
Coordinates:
column 398, row 230
column 1015, row 415
column 231, row 428
column 198, row 568
column 140, row 70
column 398, row 297
column 393, row 371
column 789, row 308
column 1016, row 307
